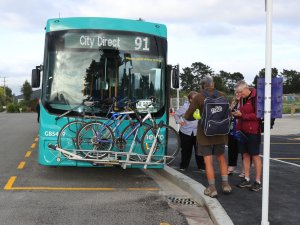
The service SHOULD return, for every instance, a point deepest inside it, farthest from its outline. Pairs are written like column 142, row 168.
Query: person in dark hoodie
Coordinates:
column 249, row 124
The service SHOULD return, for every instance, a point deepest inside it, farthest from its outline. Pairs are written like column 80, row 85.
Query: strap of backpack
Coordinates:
column 216, row 93
column 253, row 102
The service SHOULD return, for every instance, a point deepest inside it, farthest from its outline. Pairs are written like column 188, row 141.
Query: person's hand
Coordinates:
column 237, row 113
column 183, row 123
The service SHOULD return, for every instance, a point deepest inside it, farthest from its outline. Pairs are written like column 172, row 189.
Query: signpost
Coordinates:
column 267, row 114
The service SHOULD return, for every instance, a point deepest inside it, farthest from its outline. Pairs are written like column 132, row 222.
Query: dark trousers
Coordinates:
column 233, row 151
column 188, row 143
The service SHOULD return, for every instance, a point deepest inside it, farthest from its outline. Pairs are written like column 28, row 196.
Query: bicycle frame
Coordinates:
column 121, row 116
column 116, row 119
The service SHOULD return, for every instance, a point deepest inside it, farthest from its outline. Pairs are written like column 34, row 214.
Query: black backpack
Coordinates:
column 215, row 115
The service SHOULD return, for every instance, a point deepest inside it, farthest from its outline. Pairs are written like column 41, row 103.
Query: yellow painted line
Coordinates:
column 295, row 139
column 143, row 189
column 28, row 153
column 61, row 189
column 33, row 145
column 76, row 189
column 21, row 165
column 36, row 139
column 164, row 224
column 10, row 183
column 287, row 158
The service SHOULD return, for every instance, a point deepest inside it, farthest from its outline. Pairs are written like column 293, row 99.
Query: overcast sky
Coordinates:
column 226, row 35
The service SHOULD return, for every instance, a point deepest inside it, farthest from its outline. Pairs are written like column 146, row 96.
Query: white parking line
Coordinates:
column 278, row 160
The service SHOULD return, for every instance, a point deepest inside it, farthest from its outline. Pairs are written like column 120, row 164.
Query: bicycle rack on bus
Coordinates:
column 124, row 159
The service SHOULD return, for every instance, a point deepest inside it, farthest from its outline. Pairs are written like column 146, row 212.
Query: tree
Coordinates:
column 274, row 72
column 6, row 97
column 191, row 76
column 291, row 81
column 261, row 74
column 233, row 79
column 229, row 80
column 219, row 84
column 26, row 90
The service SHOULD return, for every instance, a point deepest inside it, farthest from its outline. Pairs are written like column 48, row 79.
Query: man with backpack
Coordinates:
column 211, row 137
column 249, row 124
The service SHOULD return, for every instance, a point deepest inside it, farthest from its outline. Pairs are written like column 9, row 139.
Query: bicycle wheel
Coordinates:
column 67, row 135
column 93, row 138
column 132, row 135
column 166, row 144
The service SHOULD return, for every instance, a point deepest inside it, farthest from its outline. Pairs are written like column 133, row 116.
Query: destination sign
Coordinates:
column 107, row 41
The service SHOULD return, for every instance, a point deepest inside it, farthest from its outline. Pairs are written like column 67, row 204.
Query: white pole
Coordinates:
column 177, row 105
column 267, row 114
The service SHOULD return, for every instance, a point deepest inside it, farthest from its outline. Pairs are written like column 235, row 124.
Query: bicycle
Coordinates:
column 68, row 133
column 104, row 138
column 98, row 138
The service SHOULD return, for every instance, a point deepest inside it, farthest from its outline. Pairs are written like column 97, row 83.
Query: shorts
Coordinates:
column 252, row 146
column 204, row 150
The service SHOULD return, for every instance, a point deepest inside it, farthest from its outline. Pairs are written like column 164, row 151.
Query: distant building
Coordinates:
column 35, row 95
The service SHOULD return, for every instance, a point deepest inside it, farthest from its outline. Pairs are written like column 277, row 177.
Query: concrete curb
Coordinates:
column 217, row 213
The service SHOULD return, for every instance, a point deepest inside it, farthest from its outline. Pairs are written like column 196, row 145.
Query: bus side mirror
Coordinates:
column 175, row 76
column 36, row 78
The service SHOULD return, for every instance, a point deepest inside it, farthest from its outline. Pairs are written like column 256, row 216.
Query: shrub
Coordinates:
column 11, row 108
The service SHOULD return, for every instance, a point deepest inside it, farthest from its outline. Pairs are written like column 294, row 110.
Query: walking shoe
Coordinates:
column 202, row 170
column 242, row 175
column 244, row 184
column 256, row 186
column 211, row 191
column 230, row 173
column 182, row 169
column 226, row 188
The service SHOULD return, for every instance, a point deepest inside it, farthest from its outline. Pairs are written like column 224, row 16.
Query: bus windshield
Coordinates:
column 81, row 64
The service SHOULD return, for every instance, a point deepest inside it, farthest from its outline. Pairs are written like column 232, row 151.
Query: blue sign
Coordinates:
column 276, row 100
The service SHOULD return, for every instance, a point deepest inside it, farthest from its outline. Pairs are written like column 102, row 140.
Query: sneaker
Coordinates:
column 256, row 186
column 202, row 170
column 244, row 184
column 226, row 188
column 182, row 169
column 230, row 173
column 242, row 175
column 211, row 191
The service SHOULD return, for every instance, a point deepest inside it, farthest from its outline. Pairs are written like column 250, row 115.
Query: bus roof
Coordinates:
column 57, row 24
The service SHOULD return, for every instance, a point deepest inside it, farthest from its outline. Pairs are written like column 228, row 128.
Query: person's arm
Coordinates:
column 178, row 114
column 240, row 114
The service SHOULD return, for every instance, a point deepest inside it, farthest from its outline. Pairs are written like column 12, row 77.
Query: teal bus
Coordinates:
column 99, row 58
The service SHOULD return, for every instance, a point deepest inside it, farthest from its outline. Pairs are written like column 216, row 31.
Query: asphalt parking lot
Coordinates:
column 244, row 206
